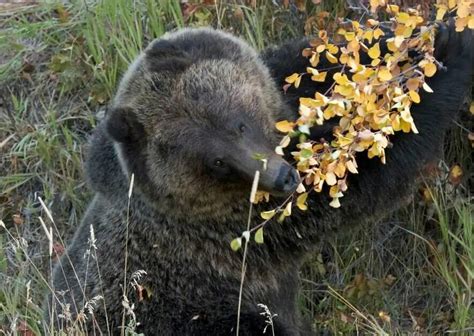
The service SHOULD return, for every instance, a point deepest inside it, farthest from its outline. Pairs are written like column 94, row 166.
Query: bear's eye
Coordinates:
column 218, row 163
column 242, row 128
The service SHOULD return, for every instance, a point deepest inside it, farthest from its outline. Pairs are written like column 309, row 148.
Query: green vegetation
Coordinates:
column 59, row 66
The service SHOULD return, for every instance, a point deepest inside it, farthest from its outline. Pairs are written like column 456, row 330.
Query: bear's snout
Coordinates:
column 287, row 179
column 279, row 178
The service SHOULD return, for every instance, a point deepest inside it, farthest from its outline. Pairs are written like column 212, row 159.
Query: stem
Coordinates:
column 247, row 238
column 122, row 331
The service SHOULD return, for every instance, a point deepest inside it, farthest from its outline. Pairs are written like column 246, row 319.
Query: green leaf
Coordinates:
column 259, row 156
column 304, row 129
column 281, row 218
column 306, row 153
column 259, row 236
column 301, row 201
column 267, row 214
column 236, row 244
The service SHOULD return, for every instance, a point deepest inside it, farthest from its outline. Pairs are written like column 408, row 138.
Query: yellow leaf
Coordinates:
column 344, row 90
column 284, row 126
column 301, row 201
column 461, row 23
column 349, row 36
column 393, row 9
column 267, row 214
column 374, row 4
column 343, row 58
column 396, row 123
column 429, row 69
column 398, row 41
column 322, row 98
column 297, row 82
column 354, row 65
column 320, row 48
column 344, row 141
column 427, row 88
column 311, row 102
column 375, row 62
column 372, row 22
column 413, row 127
column 391, row 45
column 358, row 78
column 351, row 166
column 285, row 141
column 333, row 49
column 471, row 108
column 406, row 115
column 323, row 35
column 455, row 175
column 368, row 35
column 377, row 33
column 334, row 191
column 456, row 171
column 441, row 12
column 259, row 236
column 405, row 126
column 353, row 46
column 281, row 218
column 261, row 196
column 341, row 31
column 340, row 169
column 287, row 211
column 331, row 58
column 301, row 188
column 314, row 60
column 403, row 17
column 413, row 83
column 384, row 75
column 415, row 97
column 291, row 79
column 321, row 77
column 312, row 71
column 374, row 51
column 463, row 10
column 335, row 203
column 340, row 79
column 331, row 178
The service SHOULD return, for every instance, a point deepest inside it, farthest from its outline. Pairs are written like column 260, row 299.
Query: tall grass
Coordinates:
column 454, row 257
column 116, row 32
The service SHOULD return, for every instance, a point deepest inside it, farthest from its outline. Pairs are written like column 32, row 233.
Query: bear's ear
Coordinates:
column 164, row 55
column 122, row 125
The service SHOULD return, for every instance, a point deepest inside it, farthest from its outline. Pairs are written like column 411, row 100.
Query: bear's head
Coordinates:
column 193, row 118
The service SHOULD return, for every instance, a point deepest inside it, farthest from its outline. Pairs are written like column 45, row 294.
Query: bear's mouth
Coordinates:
column 276, row 176
column 281, row 181
column 288, row 180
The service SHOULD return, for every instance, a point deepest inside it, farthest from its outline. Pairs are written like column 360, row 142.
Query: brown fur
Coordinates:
column 191, row 97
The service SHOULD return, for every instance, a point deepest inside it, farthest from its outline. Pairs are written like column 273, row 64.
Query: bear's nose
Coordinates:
column 287, row 180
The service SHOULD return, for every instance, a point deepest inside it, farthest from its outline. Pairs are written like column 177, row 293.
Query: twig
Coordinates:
column 246, row 236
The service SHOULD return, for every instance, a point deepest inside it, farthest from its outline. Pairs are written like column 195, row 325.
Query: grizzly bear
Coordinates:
column 188, row 120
